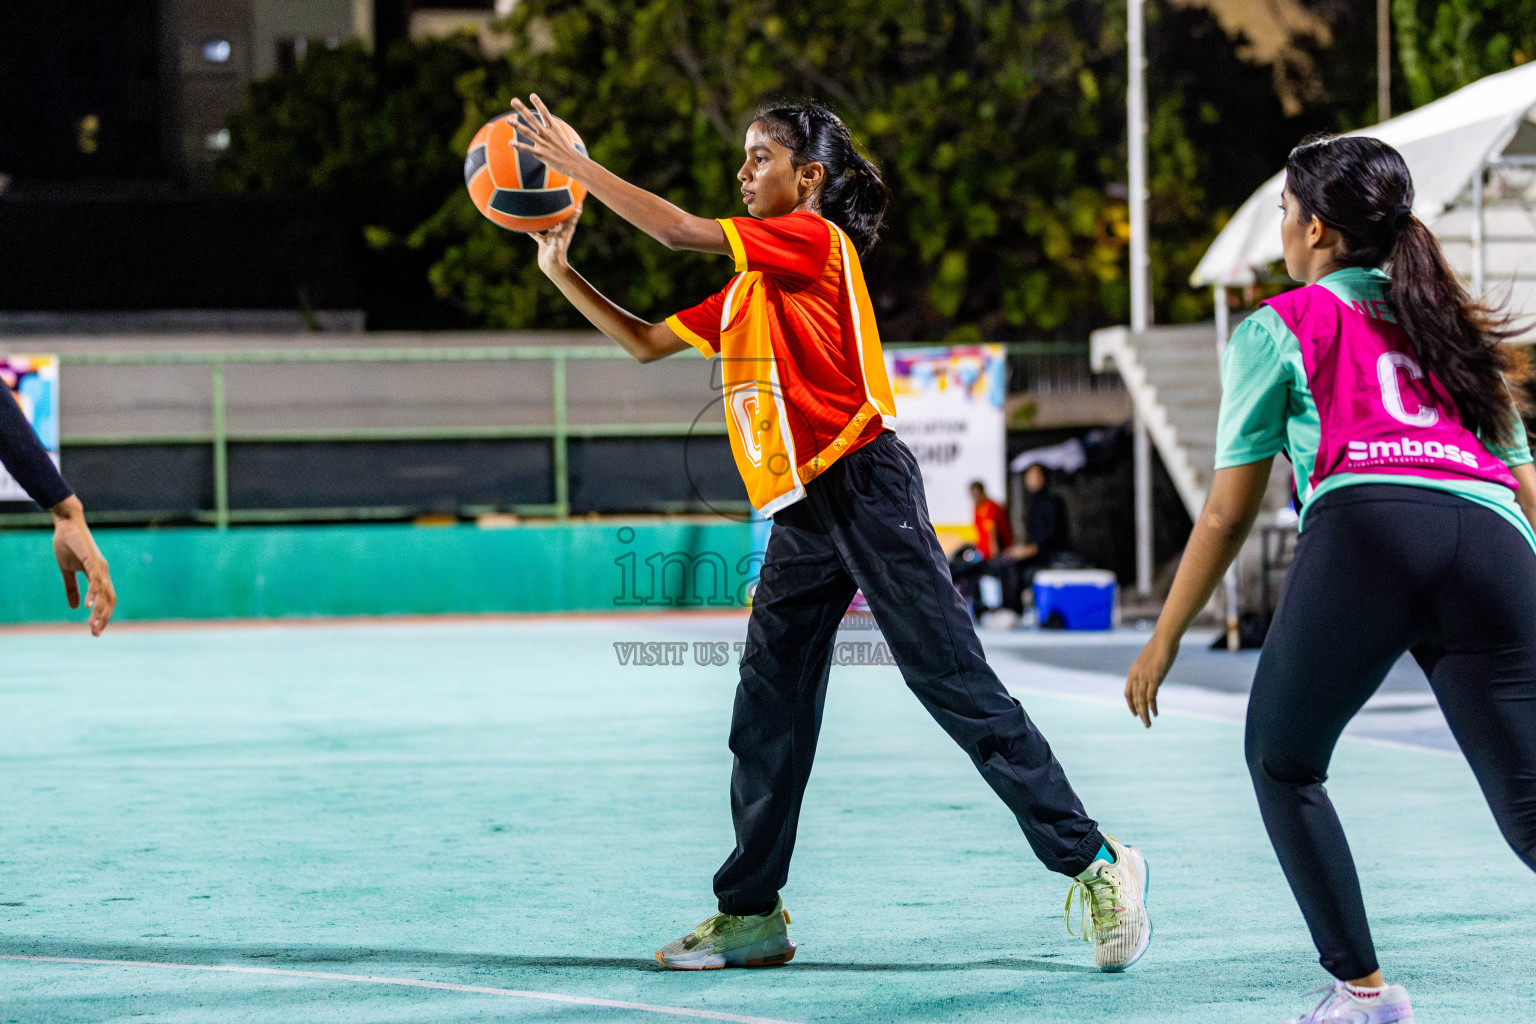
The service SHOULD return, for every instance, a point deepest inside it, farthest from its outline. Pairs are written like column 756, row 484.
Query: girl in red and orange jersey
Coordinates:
column 810, row 417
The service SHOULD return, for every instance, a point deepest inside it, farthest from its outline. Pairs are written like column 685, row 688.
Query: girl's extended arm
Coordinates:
column 1525, row 476
column 672, row 227
column 1217, row 537
column 645, row 341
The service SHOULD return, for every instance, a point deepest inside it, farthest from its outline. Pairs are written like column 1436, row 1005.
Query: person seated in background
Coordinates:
column 986, row 558
column 1047, row 543
column 993, row 534
column 1045, row 524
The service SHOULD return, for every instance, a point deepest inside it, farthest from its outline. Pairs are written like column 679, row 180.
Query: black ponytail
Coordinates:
column 1361, row 188
column 852, row 195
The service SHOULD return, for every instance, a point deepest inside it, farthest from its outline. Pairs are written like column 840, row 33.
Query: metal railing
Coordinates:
column 559, row 431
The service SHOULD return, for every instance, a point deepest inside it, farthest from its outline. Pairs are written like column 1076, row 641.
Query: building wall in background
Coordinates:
column 283, row 30
column 79, row 89
column 462, row 18
column 221, row 46
column 141, row 88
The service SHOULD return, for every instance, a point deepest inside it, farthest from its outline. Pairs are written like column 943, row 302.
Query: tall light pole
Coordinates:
column 1141, row 299
column 1383, row 59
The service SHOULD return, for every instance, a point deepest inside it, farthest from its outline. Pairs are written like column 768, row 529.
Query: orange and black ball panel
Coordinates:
column 513, row 188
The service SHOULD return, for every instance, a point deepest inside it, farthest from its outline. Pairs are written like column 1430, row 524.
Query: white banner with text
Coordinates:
column 33, row 383
column 949, row 411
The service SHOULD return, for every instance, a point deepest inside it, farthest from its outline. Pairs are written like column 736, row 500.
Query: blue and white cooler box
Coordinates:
column 1083, row 598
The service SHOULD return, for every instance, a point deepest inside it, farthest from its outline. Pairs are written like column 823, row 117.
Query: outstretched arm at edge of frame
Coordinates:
column 1525, row 476
column 1228, row 515
column 645, row 341
column 23, row 454
column 673, row 227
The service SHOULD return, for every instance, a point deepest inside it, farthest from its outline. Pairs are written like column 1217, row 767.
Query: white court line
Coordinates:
column 441, row 986
column 1179, row 700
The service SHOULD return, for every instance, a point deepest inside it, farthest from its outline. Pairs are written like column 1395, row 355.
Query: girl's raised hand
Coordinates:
column 555, row 243
column 547, row 141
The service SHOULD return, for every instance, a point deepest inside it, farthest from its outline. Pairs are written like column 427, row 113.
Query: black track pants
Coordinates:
column 1381, row 569
column 864, row 524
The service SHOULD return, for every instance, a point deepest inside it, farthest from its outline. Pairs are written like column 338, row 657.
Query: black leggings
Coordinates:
column 1381, row 569
column 863, row 524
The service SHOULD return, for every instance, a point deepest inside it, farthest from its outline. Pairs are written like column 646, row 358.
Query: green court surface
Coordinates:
column 503, row 811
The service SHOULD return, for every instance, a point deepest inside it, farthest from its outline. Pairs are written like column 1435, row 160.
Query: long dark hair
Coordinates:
column 852, row 195
column 1361, row 188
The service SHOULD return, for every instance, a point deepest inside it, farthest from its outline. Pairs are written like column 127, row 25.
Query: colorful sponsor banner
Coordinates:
column 33, row 383
column 949, row 411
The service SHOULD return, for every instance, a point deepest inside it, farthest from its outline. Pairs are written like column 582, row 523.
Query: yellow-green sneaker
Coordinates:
column 725, row 940
column 1112, row 900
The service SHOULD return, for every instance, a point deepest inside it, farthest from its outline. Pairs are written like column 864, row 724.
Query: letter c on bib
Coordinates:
column 1392, row 398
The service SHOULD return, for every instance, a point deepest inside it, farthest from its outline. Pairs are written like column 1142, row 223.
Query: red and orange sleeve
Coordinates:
column 793, row 247
column 699, row 325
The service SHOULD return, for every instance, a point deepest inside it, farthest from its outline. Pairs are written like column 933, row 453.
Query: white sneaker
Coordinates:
column 1340, row 1006
column 725, row 940
column 1000, row 618
column 1112, row 899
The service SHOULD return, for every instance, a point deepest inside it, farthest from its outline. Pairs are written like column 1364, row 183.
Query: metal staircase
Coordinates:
column 1174, row 381
column 1173, row 375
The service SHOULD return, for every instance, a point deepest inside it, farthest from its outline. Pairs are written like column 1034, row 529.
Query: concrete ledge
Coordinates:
column 256, row 572
column 1045, row 410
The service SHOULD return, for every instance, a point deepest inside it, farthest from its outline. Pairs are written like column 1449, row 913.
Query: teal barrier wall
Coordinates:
column 254, row 572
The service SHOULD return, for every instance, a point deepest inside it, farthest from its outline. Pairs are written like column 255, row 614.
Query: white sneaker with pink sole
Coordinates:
column 1341, row 1006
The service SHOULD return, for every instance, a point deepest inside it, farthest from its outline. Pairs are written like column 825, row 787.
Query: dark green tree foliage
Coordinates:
column 999, row 127
column 999, row 124
column 1438, row 47
column 1443, row 45
column 374, row 131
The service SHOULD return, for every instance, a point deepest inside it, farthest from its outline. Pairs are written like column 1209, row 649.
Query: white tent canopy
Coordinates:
column 1448, row 144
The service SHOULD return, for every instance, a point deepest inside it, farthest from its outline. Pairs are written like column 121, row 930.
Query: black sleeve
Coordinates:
column 1049, row 524
column 25, row 458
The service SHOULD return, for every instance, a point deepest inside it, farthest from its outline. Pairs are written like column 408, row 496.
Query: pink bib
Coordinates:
column 1380, row 412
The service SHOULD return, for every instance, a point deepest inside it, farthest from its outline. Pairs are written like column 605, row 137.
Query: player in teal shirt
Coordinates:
column 1267, row 408
column 1394, row 399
